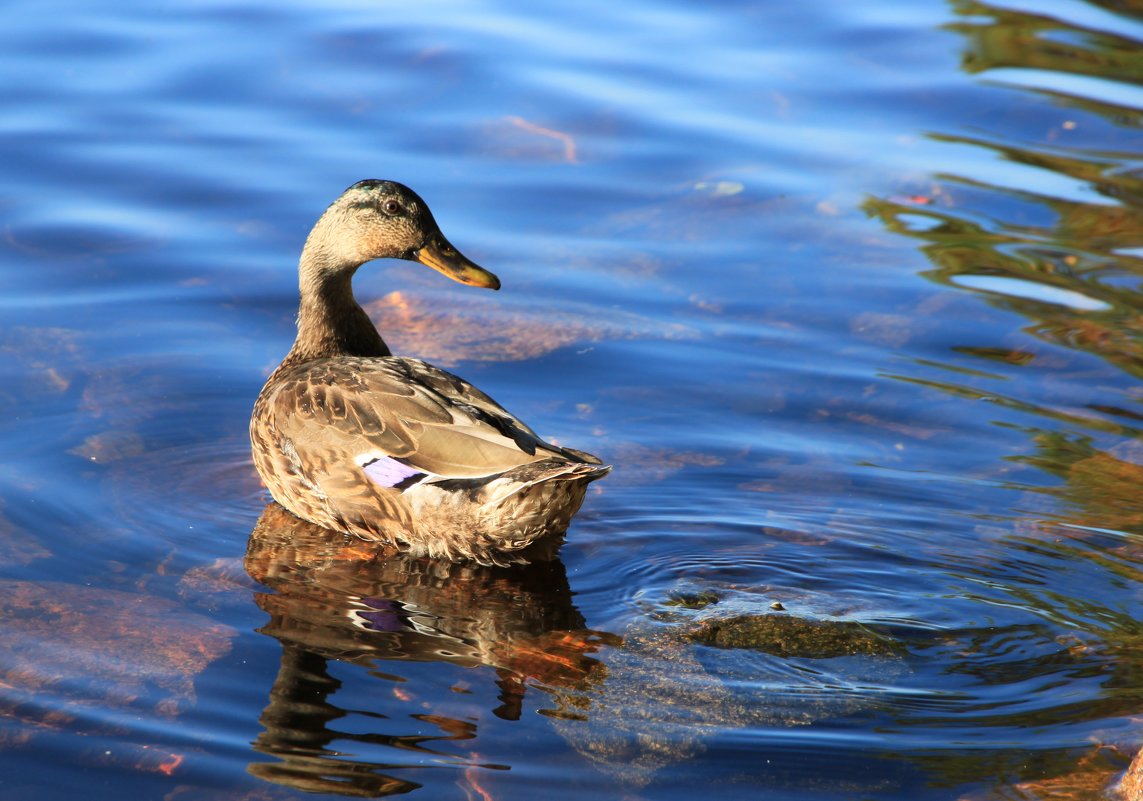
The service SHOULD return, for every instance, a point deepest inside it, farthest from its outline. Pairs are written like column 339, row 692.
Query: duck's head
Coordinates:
column 384, row 219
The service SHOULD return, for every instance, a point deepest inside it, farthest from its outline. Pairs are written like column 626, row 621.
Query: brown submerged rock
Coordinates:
column 68, row 648
column 661, row 700
column 789, row 636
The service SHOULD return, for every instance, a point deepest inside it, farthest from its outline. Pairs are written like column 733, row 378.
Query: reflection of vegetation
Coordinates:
column 1102, row 489
column 1016, row 38
column 1071, row 232
column 1010, row 402
column 1070, row 256
column 972, row 228
column 982, row 229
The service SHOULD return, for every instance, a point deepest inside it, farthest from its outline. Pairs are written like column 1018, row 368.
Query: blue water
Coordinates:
column 849, row 294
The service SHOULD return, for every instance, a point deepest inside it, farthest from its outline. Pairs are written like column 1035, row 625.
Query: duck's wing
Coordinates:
column 402, row 417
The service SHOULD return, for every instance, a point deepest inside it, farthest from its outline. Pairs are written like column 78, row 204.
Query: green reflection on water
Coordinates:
column 1080, row 245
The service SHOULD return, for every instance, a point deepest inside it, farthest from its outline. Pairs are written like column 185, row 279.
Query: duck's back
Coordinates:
column 396, row 449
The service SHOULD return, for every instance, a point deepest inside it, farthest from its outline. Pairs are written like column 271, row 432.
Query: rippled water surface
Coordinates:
column 849, row 294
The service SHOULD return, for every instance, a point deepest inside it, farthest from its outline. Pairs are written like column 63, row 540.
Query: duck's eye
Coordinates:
column 390, row 207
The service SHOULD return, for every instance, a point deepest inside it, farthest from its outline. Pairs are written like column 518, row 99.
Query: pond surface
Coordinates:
column 848, row 293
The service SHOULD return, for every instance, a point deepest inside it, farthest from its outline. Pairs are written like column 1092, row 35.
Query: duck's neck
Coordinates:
column 330, row 321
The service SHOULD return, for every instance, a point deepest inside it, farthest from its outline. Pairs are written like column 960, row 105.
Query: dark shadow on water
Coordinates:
column 336, row 598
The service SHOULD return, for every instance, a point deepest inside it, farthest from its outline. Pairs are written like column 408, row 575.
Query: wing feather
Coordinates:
column 430, row 419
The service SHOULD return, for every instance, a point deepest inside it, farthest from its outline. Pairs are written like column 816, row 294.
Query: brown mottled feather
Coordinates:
column 339, row 401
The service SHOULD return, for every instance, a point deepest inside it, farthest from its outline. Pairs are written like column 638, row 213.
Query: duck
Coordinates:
column 389, row 448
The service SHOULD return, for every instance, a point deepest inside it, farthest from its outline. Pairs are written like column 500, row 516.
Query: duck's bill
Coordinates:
column 444, row 258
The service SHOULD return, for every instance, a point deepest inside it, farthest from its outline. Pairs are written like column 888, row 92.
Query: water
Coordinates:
column 849, row 294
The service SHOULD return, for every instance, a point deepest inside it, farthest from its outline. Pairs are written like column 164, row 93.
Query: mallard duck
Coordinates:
column 391, row 449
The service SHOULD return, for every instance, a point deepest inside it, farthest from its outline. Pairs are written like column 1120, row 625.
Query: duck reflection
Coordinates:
column 339, row 598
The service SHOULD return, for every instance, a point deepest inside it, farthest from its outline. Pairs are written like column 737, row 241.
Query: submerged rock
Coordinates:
column 663, row 699
column 789, row 636
column 693, row 600
column 70, row 649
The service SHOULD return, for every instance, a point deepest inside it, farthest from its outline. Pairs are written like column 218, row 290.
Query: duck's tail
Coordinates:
column 525, row 477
